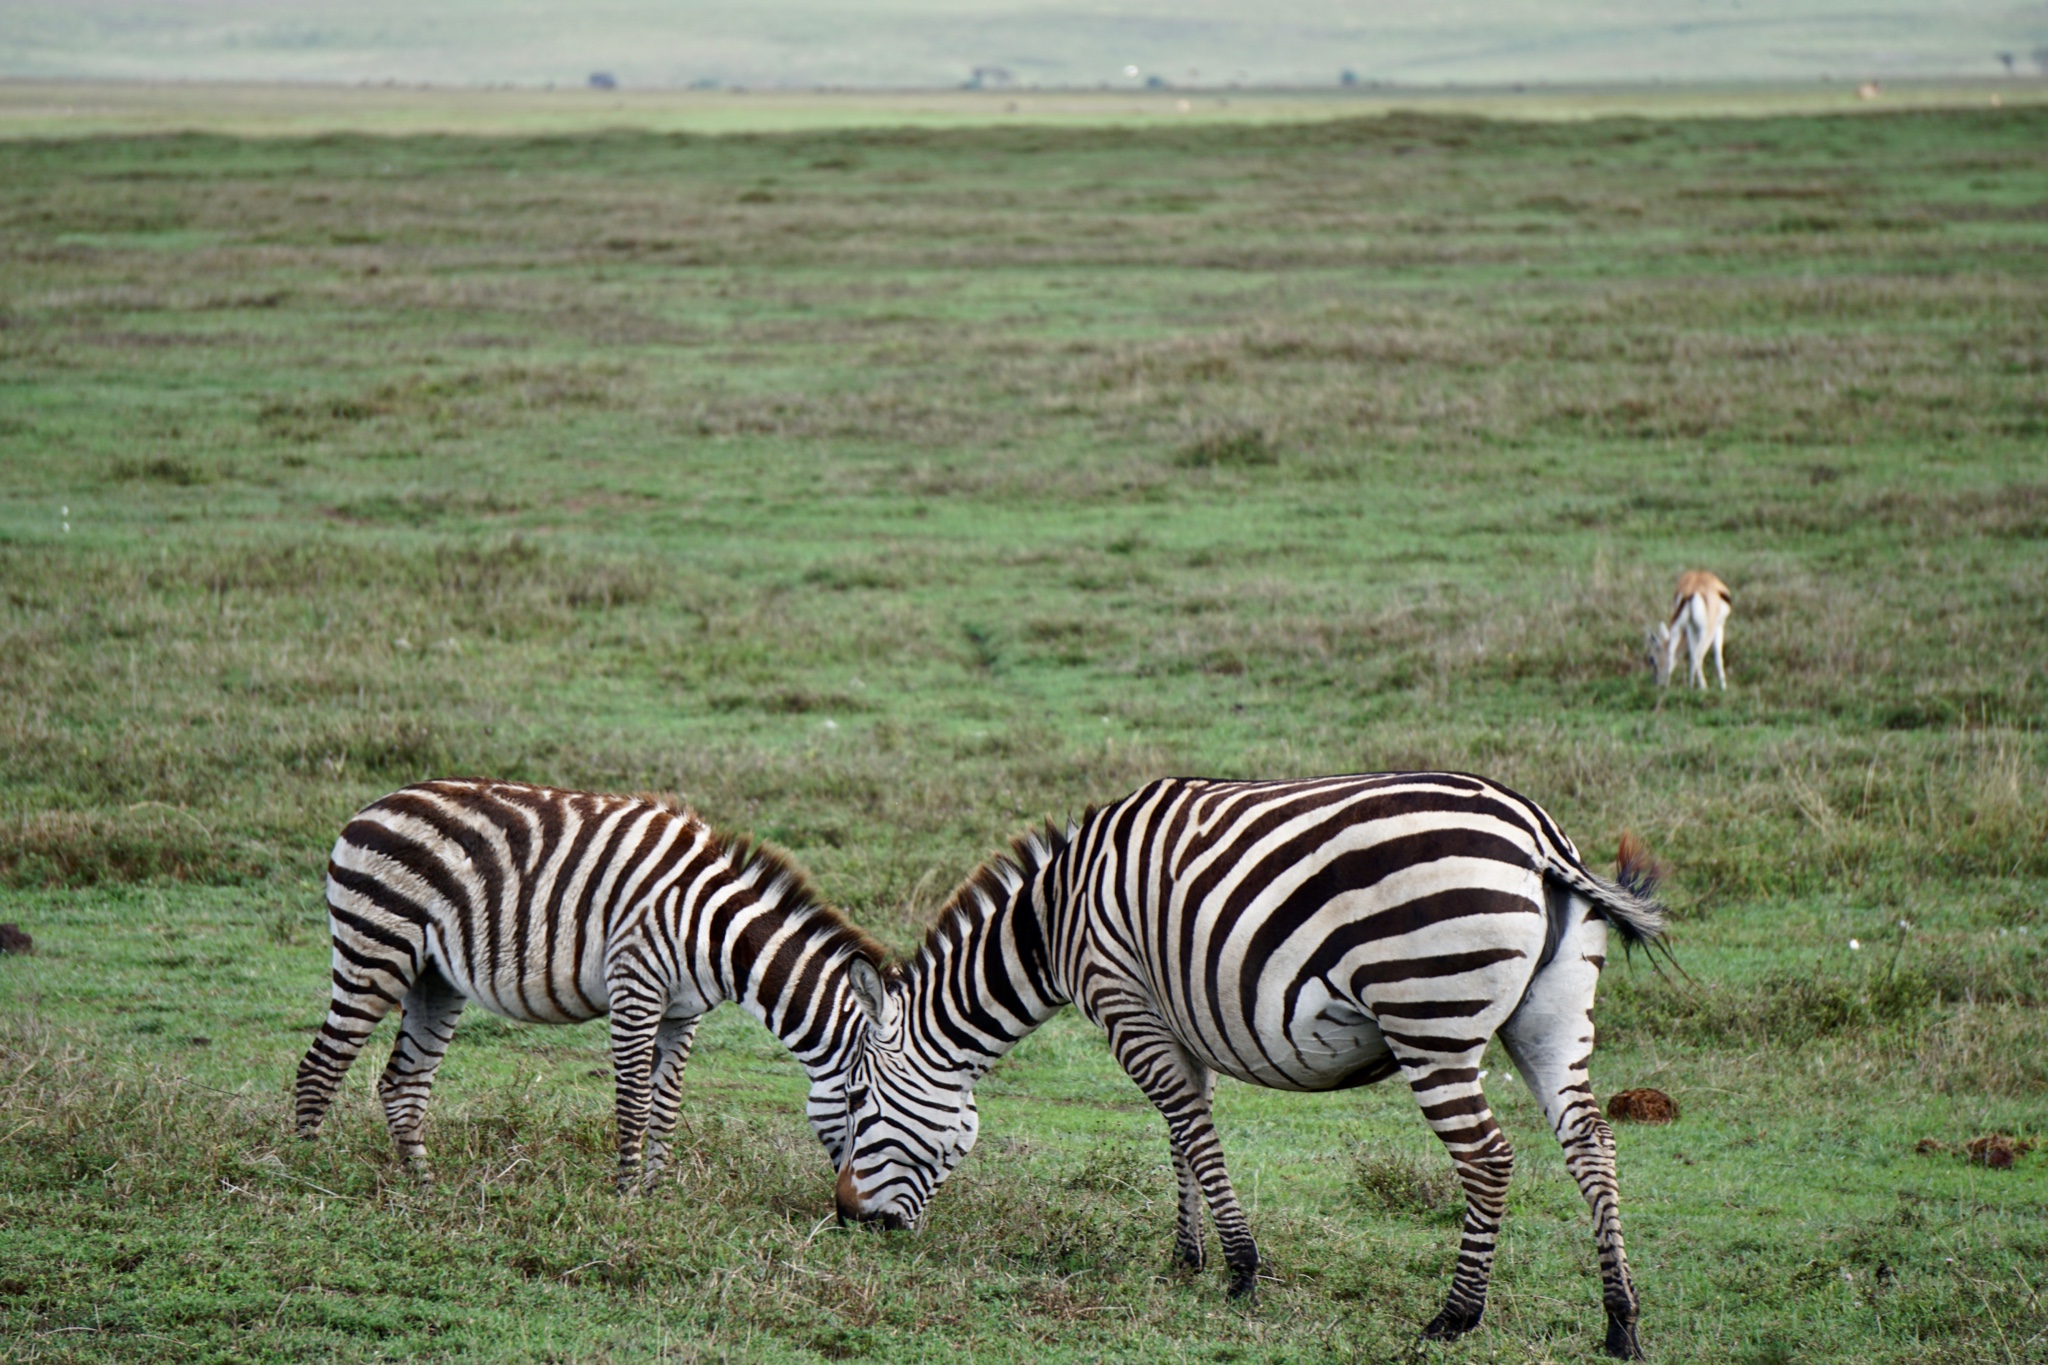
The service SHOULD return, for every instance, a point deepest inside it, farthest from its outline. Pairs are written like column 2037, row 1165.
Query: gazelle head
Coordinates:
column 1658, row 652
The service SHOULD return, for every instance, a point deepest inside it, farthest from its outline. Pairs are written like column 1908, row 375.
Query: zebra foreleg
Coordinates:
column 1180, row 1087
column 635, row 1023
column 672, row 1042
column 1447, row 1088
column 431, row 1009
column 1188, row 1243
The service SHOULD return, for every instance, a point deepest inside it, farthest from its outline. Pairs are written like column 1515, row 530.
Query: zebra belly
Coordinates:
column 510, row 1009
column 1339, row 1047
column 525, row 995
column 1331, row 1046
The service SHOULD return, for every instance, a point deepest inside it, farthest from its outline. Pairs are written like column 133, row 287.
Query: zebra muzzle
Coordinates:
column 847, row 1196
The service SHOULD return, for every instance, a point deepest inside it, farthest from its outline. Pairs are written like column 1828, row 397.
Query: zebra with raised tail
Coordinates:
column 556, row 907
column 1309, row 935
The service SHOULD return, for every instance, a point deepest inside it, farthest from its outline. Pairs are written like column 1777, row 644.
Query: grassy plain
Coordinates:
column 879, row 491
column 66, row 109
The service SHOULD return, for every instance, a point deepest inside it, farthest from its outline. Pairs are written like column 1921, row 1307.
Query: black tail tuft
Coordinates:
column 1626, row 904
column 1635, row 871
column 1632, row 905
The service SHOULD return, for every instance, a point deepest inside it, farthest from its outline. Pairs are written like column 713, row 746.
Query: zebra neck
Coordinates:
column 796, row 983
column 982, row 982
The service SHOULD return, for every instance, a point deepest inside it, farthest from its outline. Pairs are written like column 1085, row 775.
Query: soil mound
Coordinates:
column 1642, row 1106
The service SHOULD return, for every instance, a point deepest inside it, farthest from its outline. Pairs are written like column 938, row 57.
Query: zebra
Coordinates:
column 1303, row 935
column 555, row 907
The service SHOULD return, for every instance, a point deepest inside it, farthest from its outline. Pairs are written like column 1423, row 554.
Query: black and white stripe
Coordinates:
column 1308, row 935
column 556, row 907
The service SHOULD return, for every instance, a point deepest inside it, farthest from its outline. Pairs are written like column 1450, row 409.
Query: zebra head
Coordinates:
column 908, row 1123
column 831, row 1070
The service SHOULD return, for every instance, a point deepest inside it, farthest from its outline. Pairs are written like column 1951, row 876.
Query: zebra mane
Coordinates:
column 776, row 869
column 991, row 884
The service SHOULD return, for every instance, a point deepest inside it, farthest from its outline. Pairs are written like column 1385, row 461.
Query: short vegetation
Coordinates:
column 881, row 492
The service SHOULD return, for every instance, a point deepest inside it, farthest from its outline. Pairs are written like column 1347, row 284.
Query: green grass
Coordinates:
column 881, row 491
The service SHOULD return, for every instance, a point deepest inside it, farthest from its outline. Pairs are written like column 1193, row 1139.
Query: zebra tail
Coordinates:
column 1628, row 903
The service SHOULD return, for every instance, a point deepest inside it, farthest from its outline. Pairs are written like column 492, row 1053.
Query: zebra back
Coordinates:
column 522, row 896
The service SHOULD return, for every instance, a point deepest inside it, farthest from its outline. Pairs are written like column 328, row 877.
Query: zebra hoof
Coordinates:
column 1451, row 1324
column 1190, row 1260
column 1622, row 1342
column 1244, row 1284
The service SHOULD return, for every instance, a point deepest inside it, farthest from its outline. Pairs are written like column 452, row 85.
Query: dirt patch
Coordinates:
column 1642, row 1106
column 1996, row 1150
column 14, row 940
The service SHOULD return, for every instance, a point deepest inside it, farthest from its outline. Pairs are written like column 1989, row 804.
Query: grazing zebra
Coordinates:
column 1309, row 935
column 555, row 907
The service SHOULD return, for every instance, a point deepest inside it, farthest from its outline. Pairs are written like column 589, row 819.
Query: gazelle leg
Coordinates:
column 1446, row 1085
column 1180, row 1087
column 431, row 1009
column 672, row 1043
column 1719, row 668
column 1550, row 1038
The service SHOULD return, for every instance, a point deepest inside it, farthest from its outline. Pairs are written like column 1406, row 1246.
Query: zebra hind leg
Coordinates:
column 363, row 993
column 1447, row 1088
column 431, row 1009
column 1550, row 1038
column 672, row 1043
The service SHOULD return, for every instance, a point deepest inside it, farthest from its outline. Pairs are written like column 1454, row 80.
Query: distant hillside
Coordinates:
column 925, row 43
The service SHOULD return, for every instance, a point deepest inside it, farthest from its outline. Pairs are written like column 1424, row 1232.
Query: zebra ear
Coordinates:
column 866, row 984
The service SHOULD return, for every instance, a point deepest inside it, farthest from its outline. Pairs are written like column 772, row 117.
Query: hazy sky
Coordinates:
column 1048, row 42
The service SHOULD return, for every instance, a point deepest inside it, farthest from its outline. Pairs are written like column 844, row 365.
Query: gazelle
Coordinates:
column 1699, row 612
